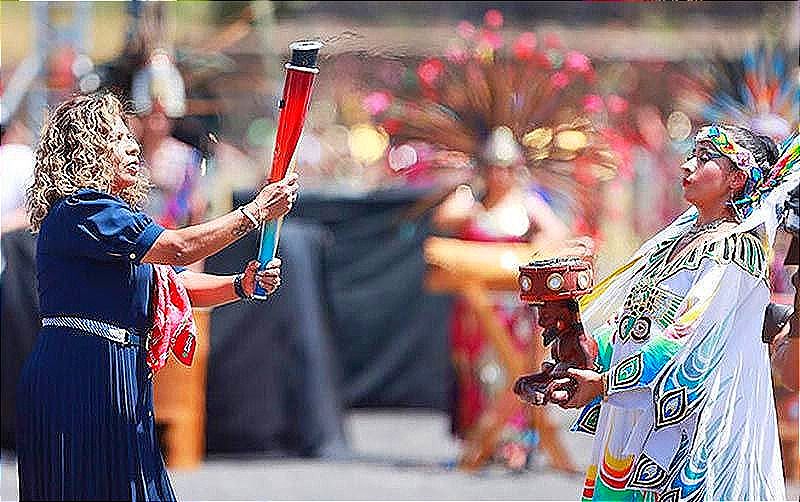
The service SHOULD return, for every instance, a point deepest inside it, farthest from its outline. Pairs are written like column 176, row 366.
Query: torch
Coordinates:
column 300, row 73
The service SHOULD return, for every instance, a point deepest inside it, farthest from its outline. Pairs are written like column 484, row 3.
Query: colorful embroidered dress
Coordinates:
column 689, row 413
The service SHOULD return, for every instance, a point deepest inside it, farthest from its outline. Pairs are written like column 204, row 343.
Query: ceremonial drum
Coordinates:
column 555, row 279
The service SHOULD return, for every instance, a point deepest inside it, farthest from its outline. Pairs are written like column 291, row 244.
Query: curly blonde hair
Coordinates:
column 74, row 153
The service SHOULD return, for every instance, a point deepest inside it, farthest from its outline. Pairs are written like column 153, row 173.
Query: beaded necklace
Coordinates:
column 685, row 239
column 706, row 227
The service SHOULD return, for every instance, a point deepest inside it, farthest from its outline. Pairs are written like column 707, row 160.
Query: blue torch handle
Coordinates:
column 266, row 251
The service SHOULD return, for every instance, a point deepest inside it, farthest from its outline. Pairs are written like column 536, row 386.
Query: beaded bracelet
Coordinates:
column 238, row 288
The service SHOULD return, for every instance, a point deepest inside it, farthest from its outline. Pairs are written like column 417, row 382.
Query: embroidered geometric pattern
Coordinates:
column 684, row 446
column 647, row 474
column 673, row 495
column 681, row 385
column 615, row 471
column 647, row 303
column 624, row 326
column 646, row 298
column 627, row 373
column 637, row 329
column 640, row 332
column 589, row 483
column 671, row 408
column 744, row 250
column 588, row 421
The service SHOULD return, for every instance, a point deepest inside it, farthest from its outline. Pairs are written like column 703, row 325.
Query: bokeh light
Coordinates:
column 571, row 140
column 367, row 144
column 260, row 133
column 679, row 127
column 402, row 157
column 309, row 150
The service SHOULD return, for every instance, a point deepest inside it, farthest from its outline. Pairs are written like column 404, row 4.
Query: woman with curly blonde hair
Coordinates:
column 115, row 302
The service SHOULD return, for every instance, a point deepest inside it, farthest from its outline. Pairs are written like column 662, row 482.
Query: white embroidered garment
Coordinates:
column 690, row 413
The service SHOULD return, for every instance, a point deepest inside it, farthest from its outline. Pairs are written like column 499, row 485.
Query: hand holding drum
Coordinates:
column 554, row 286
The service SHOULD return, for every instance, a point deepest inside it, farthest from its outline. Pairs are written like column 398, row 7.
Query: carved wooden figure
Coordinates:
column 553, row 287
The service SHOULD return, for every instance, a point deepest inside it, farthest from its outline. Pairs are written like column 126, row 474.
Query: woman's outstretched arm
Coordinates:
column 208, row 290
column 187, row 245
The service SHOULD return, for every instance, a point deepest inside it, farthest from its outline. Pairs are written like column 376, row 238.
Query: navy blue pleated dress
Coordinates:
column 85, row 403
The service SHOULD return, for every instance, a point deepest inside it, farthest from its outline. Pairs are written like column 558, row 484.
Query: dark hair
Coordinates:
column 771, row 149
column 763, row 148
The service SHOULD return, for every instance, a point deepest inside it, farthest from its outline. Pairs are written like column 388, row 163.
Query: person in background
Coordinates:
column 782, row 334
column 17, row 277
column 115, row 303
column 781, row 328
column 16, row 162
column 504, row 211
column 158, row 95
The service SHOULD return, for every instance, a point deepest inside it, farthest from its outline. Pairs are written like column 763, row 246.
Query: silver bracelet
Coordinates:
column 250, row 216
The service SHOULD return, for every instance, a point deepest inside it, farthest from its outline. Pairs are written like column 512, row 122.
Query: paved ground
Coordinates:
column 402, row 455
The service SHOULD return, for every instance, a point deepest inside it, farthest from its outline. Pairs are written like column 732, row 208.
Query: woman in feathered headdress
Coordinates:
column 759, row 90
column 511, row 116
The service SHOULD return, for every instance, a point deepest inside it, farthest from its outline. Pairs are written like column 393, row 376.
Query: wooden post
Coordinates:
column 180, row 402
column 472, row 270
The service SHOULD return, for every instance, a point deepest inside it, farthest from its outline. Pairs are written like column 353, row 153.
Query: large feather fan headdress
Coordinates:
column 759, row 91
column 489, row 102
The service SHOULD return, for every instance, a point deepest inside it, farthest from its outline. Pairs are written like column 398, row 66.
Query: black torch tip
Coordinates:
column 304, row 53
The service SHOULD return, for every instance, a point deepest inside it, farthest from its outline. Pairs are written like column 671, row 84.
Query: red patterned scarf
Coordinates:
column 173, row 324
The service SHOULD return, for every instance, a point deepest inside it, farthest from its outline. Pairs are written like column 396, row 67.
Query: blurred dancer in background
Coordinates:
column 504, row 211
column 175, row 167
column 511, row 115
column 16, row 162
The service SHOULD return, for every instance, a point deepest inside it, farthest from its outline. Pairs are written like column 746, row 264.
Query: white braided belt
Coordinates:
column 92, row 327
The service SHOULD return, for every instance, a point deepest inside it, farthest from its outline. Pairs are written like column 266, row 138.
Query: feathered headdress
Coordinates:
column 492, row 103
column 760, row 91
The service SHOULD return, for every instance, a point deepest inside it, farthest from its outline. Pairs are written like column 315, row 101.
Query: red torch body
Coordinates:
column 294, row 104
column 294, row 107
